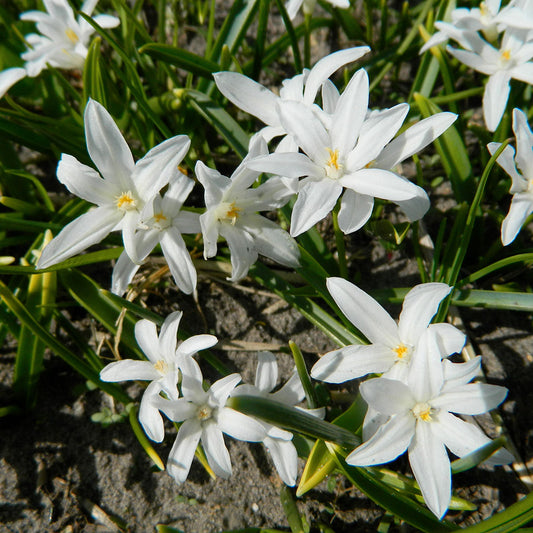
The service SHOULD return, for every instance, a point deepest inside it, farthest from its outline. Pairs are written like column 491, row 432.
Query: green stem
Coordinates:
column 525, row 258
column 304, row 375
column 307, row 41
column 339, row 241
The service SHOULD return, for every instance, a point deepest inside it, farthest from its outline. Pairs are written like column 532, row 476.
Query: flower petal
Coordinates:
column 292, row 391
column 128, row 370
column 266, row 374
column 521, row 208
column 182, row 452
column 168, row 334
column 524, row 142
column 457, row 374
column 495, row 98
column 289, row 164
column 315, row 200
column 507, row 162
column 415, row 208
column 355, row 211
column 419, row 306
column 149, row 415
column 179, row 260
column 107, row 146
column 240, row 426
column 215, row 450
column 84, row 231
column 471, row 399
column 9, row 77
column 123, row 273
column 352, row 362
column 364, row 312
column 389, row 441
column 285, row 459
column 242, row 250
column 380, row 184
column 431, row 467
column 388, row 396
column 221, row 389
column 214, row 183
column 449, row 338
column 146, row 337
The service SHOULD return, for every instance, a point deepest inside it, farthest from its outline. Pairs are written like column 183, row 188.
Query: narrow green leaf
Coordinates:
column 181, row 58
column 93, row 85
column 291, row 510
column 143, row 440
column 305, row 379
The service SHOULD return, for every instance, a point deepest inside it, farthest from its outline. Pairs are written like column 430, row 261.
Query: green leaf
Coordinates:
column 143, row 440
column 93, row 84
column 453, row 154
column 181, row 58
column 291, row 511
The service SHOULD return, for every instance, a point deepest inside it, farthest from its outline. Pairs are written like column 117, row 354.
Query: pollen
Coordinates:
column 423, row 411
column 126, row 201
column 71, row 34
column 333, row 158
column 159, row 217
column 204, row 412
column 506, row 55
column 233, row 213
column 161, row 366
column 402, row 351
column 483, row 9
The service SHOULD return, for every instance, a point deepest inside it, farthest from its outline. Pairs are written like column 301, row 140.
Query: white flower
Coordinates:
column 62, row 42
column 520, row 168
column 119, row 193
column 260, row 102
column 162, row 222
column 392, row 345
column 511, row 60
column 278, row 441
column 293, row 6
column 232, row 207
column 162, row 368
column 205, row 417
column 350, row 153
column 421, row 421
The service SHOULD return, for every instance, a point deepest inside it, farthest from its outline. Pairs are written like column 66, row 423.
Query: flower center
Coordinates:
column 161, row 366
column 483, row 9
column 160, row 221
column 71, row 35
column 402, row 352
column 204, row 412
column 229, row 212
column 333, row 166
column 505, row 57
column 126, row 201
column 423, row 411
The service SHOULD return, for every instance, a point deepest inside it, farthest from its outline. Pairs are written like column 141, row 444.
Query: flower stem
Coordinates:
column 339, row 241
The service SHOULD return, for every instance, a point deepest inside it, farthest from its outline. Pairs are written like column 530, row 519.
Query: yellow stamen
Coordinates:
column 370, row 164
column 161, row 366
column 159, row 217
column 423, row 411
column 333, row 159
column 183, row 170
column 125, row 201
column 506, row 55
column 233, row 213
column 483, row 9
column 401, row 350
column 71, row 34
column 204, row 412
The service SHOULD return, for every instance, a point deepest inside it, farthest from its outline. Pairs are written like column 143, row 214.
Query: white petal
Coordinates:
column 380, row 184
column 266, row 374
column 195, row 344
column 168, row 334
column 146, row 337
column 415, row 208
column 324, row 68
column 213, row 182
column 215, row 450
column 523, row 72
column 310, row 134
column 425, row 377
column 210, row 230
column 355, row 211
column 462, row 438
column 182, row 452
column 9, row 77
column 389, row 441
column 472, row 60
column 431, row 467
column 521, row 208
column 315, row 200
column 289, row 164
column 84, row 231
column 285, row 458
column 177, row 192
column 471, row 399
column 330, row 97
column 123, row 272
column 221, row 389
column 371, row 143
column 107, row 147
column 177, row 410
column 291, row 393
column 507, row 162
column 388, row 396
column 352, row 362
column 457, row 374
column 414, row 139
column 272, row 241
column 419, row 306
column 240, row 426
column 242, row 250
column 187, row 222
column 495, row 98
column 131, row 238
column 179, row 260
column 349, row 114
column 106, row 21
column 524, row 142
column 449, row 338
column 364, row 312
column 129, row 369
column 149, row 415
column 249, row 96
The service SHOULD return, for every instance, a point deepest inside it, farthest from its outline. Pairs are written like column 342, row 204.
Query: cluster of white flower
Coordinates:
column 498, row 43
column 340, row 150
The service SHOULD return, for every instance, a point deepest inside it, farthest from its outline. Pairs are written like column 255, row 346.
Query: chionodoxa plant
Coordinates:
column 183, row 152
